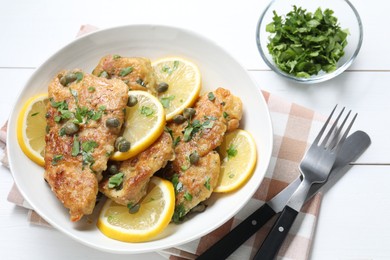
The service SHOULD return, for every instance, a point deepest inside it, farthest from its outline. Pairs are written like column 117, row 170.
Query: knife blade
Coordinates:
column 354, row 146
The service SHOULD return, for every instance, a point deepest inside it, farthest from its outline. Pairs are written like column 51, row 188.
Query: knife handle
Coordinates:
column 272, row 243
column 237, row 236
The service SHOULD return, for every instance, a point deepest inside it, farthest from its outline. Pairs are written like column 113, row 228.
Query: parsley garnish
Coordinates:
column 125, row 71
column 115, row 180
column 76, row 146
column 187, row 196
column 207, row 183
column 177, row 185
column 147, row 111
column 166, row 101
column 231, row 151
column 179, row 213
column 56, row 158
column 304, row 43
column 196, row 126
column 168, row 69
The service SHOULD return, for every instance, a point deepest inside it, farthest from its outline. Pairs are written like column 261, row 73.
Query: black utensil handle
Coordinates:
column 237, row 236
column 272, row 243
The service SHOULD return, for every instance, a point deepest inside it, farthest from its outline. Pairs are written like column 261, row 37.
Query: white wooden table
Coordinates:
column 354, row 216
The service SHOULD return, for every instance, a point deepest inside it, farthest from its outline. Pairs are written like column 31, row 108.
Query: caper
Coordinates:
column 133, row 209
column 132, row 101
column 123, row 146
column 118, row 140
column 104, row 74
column 162, row 87
column 178, row 119
column 113, row 169
column 68, row 78
column 70, row 128
column 189, row 112
column 113, row 122
column 194, row 157
column 199, row 208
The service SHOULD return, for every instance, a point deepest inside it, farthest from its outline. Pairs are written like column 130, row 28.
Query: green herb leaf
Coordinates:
column 76, row 146
column 179, row 213
column 56, row 159
column 147, row 111
column 166, row 101
column 89, row 146
column 187, row 196
column 304, row 43
column 207, row 183
column 231, row 151
column 125, row 71
column 115, row 180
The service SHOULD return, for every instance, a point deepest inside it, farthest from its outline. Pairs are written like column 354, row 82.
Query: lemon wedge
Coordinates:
column 238, row 160
column 184, row 84
column 154, row 214
column 31, row 128
column 144, row 123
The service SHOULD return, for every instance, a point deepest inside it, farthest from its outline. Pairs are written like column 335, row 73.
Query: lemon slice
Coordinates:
column 144, row 123
column 154, row 214
column 31, row 128
column 238, row 160
column 184, row 83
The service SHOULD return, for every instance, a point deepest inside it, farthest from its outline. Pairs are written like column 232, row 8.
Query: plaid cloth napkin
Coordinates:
column 294, row 126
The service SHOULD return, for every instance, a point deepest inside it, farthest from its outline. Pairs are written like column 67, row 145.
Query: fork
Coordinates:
column 315, row 168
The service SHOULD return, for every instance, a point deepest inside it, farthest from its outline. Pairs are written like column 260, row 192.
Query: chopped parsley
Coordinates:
column 125, row 71
column 177, row 185
column 207, row 183
column 91, row 89
column 304, row 43
column 179, row 213
column 166, row 101
column 56, row 159
column 76, row 146
column 231, row 151
column 168, row 69
column 187, row 196
column 116, row 180
column 196, row 126
column 147, row 111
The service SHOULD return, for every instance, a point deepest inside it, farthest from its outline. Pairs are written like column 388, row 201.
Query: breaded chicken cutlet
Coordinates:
column 135, row 173
column 84, row 117
column 136, row 72
column 196, row 169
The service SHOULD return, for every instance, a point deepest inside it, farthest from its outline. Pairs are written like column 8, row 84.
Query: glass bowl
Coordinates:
column 348, row 18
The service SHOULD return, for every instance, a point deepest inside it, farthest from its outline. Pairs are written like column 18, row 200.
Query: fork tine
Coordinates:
column 317, row 139
column 330, row 132
column 339, row 145
column 335, row 139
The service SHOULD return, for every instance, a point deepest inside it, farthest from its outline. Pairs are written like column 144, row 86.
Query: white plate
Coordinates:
column 218, row 69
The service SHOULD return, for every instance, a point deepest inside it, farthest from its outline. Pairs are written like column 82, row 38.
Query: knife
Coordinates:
column 353, row 147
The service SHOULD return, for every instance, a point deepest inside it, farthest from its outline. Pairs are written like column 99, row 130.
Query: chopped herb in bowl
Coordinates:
column 303, row 43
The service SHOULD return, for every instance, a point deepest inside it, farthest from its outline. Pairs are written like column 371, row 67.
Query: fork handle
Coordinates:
column 277, row 235
column 237, row 236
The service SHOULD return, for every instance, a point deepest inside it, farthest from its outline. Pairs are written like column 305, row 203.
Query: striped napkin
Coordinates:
column 294, row 126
